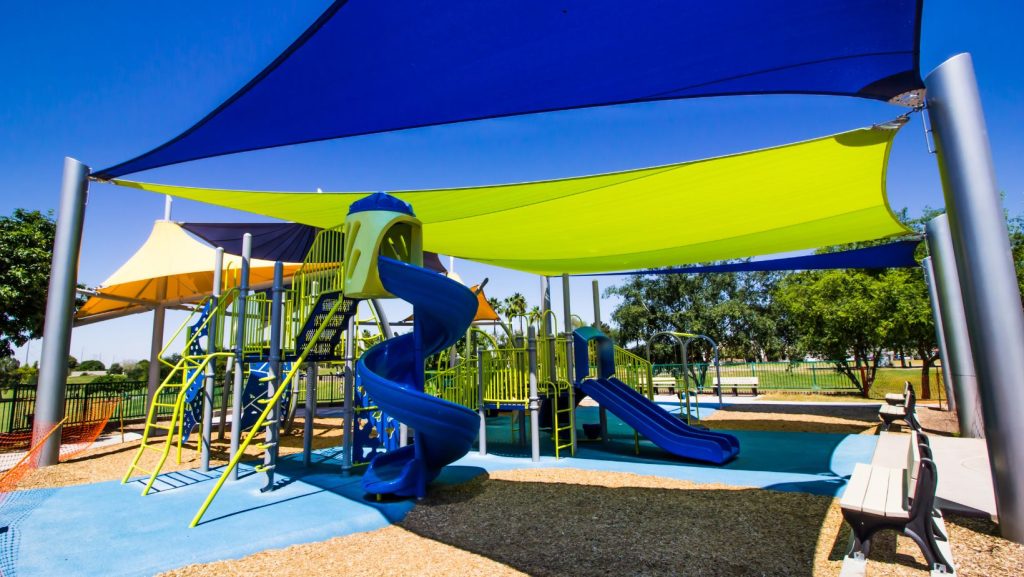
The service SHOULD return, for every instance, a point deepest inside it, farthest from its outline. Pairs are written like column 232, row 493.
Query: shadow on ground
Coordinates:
column 566, row 529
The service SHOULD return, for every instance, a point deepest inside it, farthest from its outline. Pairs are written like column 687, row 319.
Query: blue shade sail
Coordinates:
column 368, row 66
column 893, row 255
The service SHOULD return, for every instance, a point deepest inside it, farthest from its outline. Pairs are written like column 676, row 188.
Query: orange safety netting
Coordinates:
column 76, row 438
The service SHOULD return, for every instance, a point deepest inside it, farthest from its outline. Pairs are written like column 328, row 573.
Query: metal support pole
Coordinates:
column 570, row 369
column 240, row 321
column 987, row 277
column 212, row 333
column 602, row 412
column 312, row 377
column 534, row 396
column 156, row 344
column 350, row 387
column 60, row 307
column 385, row 327
column 940, row 335
column 225, row 396
column 482, row 442
column 963, row 373
column 273, row 427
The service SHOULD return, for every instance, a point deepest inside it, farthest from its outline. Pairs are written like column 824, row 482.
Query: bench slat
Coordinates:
column 856, row 487
column 895, row 498
column 877, row 491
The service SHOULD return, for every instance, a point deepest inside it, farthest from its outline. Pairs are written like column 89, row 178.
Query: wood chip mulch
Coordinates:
column 577, row 522
column 111, row 462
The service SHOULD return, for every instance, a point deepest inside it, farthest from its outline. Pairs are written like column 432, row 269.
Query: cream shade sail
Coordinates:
column 171, row 267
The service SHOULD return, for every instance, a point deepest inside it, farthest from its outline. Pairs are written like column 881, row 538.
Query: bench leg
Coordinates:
column 860, row 540
column 922, row 531
column 755, row 391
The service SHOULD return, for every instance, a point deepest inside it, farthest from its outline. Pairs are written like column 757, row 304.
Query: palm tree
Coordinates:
column 517, row 307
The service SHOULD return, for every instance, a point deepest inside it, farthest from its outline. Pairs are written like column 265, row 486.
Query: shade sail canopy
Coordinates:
column 484, row 310
column 170, row 267
column 892, row 255
column 283, row 241
column 821, row 192
column 368, row 66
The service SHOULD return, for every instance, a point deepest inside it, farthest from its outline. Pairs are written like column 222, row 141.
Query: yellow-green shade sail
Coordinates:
column 816, row 193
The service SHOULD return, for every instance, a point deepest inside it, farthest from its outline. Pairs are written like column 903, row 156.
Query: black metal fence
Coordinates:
column 18, row 402
column 797, row 375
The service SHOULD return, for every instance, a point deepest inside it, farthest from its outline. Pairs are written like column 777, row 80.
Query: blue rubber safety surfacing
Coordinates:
column 108, row 529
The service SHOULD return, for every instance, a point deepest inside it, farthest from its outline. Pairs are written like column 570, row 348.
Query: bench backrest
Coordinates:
column 737, row 381
column 922, row 477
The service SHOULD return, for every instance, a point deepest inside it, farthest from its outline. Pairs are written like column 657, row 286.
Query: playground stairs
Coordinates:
column 326, row 323
column 163, row 432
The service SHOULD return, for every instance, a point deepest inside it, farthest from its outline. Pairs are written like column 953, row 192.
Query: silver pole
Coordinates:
column 307, row 425
column 962, row 372
column 548, row 328
column 534, row 396
column 385, row 327
column 273, row 429
column 225, row 395
column 940, row 335
column 51, row 391
column 569, row 360
column 167, row 206
column 602, row 412
column 482, row 443
column 156, row 343
column 211, row 367
column 350, row 409
column 987, row 277
column 240, row 320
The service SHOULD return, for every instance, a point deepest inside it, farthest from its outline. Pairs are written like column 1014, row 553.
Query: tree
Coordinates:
column 92, row 365
column 515, row 305
column 137, row 371
column 839, row 313
column 9, row 371
column 734, row 309
column 72, row 362
column 911, row 328
column 115, row 369
column 26, row 244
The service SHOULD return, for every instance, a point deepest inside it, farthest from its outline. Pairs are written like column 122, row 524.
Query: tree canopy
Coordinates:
column 26, row 244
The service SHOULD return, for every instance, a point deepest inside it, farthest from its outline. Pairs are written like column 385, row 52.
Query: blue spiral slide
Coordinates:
column 392, row 373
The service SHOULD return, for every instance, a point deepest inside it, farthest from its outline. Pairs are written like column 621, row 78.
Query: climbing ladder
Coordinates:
column 186, row 372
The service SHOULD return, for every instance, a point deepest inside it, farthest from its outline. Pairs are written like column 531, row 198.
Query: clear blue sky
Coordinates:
column 105, row 81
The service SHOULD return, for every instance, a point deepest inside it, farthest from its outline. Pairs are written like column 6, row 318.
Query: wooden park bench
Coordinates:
column 663, row 382
column 736, row 383
column 903, row 500
column 905, row 411
column 899, row 399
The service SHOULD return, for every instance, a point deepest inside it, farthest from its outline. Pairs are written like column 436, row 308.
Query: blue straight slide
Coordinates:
column 392, row 373
column 660, row 426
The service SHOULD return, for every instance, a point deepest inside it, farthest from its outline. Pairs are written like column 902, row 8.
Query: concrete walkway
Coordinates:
column 965, row 479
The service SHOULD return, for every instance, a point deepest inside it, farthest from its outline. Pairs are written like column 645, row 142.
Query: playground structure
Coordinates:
column 272, row 334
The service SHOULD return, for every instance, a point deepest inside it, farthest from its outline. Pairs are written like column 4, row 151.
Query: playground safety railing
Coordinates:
column 635, row 371
column 506, row 376
column 456, row 384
